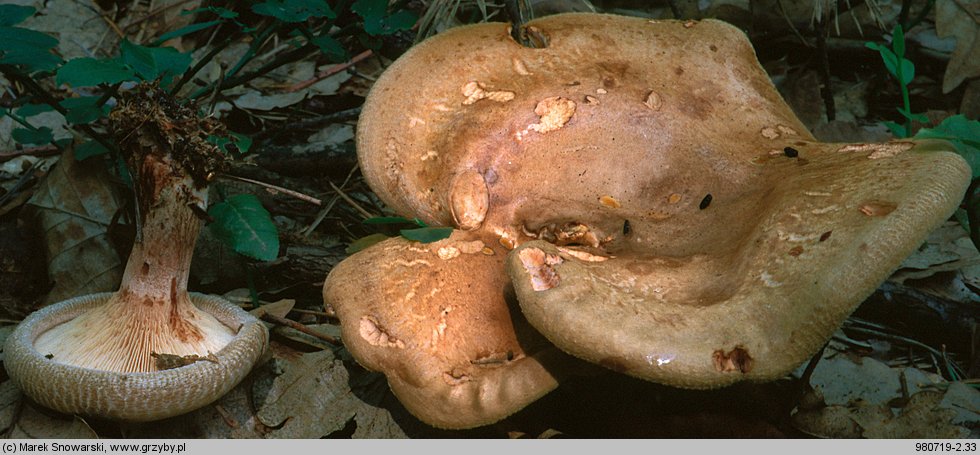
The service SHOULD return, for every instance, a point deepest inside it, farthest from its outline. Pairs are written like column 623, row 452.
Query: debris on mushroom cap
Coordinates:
column 440, row 328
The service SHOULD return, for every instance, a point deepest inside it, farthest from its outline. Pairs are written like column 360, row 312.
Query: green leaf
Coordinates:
column 186, row 30
column 39, row 136
column 376, row 19
column 30, row 110
column 921, row 118
column 908, row 72
column 244, row 225
column 15, row 14
column 427, row 234
column 240, row 141
column 81, row 72
column 365, row 242
column 89, row 149
column 394, row 220
column 898, row 41
column 85, row 109
column 963, row 133
column 330, row 47
column 151, row 63
column 897, row 130
column 27, row 48
column 294, row 10
column 223, row 13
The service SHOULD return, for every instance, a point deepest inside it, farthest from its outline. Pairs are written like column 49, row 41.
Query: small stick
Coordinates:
column 302, row 328
column 43, row 150
column 279, row 189
column 352, row 202
column 329, row 72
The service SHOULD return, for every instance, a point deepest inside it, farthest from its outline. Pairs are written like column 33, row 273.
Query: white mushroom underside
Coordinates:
column 121, row 335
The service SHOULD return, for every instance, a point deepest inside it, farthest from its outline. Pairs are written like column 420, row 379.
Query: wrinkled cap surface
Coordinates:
column 471, row 129
column 708, row 237
column 435, row 319
column 745, row 293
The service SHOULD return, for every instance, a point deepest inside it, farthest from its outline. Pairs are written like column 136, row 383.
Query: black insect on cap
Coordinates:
column 791, row 152
column 705, row 202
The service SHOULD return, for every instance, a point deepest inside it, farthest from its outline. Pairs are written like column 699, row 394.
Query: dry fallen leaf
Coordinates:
column 74, row 206
column 959, row 19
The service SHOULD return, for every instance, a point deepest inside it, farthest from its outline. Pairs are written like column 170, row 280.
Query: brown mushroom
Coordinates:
column 105, row 354
column 691, row 230
column 435, row 319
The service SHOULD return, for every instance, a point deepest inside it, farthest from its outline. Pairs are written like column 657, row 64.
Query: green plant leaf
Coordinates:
column 394, row 220
column 897, row 130
column 241, row 141
column 39, row 136
column 908, row 72
column 223, row 13
column 186, row 30
column 89, row 149
column 365, row 242
column 294, row 10
column 330, row 47
column 82, row 72
column 244, row 225
column 85, row 109
column 963, row 133
column 27, row 48
column 376, row 18
column 922, row 117
column 30, row 110
column 151, row 63
column 15, row 14
column 427, row 234
column 898, row 41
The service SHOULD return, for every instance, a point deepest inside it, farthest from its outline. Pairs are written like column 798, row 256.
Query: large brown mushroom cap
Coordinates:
column 707, row 236
column 615, row 111
column 435, row 319
column 752, row 300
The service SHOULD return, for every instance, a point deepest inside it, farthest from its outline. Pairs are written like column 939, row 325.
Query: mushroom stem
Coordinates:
column 151, row 313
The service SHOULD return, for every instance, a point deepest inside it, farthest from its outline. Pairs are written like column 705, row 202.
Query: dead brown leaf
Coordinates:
column 74, row 206
column 960, row 19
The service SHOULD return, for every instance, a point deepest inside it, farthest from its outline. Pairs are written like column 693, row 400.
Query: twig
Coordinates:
column 953, row 369
column 827, row 91
column 323, row 213
column 300, row 327
column 329, row 71
column 43, row 150
column 313, row 122
column 352, row 202
column 279, row 189
column 155, row 12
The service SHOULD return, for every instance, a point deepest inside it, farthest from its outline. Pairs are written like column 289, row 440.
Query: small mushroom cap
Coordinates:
column 435, row 319
column 131, row 396
column 745, row 294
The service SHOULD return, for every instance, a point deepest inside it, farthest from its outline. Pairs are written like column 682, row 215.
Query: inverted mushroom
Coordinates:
column 689, row 230
column 435, row 319
column 150, row 350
